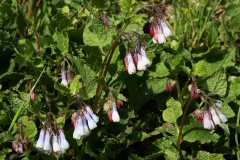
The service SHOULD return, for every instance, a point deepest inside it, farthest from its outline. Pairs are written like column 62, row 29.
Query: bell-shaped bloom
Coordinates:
column 17, row 146
column 140, row 65
column 166, row 31
column 145, row 59
column 64, row 77
column 207, row 121
column 94, row 117
column 64, row 143
column 91, row 123
column 41, row 139
column 79, row 130
column 55, row 144
column 115, row 115
column 215, row 117
column 221, row 116
column 130, row 67
column 47, row 146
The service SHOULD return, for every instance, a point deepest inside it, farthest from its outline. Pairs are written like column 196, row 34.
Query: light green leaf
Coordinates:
column 217, row 83
column 62, row 42
column 233, row 10
column 88, row 78
column 125, row 5
column 227, row 110
column 176, row 62
column 193, row 131
column 61, row 88
column 173, row 112
column 161, row 70
column 96, row 34
column 212, row 37
column 30, row 125
column 199, row 68
column 6, row 136
column 171, row 153
column 233, row 89
column 75, row 85
column 203, row 155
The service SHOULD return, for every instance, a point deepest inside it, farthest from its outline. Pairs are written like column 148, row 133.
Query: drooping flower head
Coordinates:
column 130, row 67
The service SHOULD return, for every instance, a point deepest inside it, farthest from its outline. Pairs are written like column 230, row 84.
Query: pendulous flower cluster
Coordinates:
column 159, row 31
column 137, row 60
column 83, row 121
column 21, row 141
column 212, row 117
column 66, row 75
column 111, row 107
column 52, row 140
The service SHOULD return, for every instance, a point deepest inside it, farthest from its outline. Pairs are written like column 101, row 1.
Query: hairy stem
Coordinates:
column 183, row 120
column 105, row 65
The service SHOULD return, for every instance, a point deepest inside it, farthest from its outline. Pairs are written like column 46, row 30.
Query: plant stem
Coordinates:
column 16, row 116
column 183, row 120
column 106, row 62
column 236, row 135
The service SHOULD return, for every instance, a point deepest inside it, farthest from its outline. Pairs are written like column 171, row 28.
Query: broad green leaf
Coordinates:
column 125, row 5
column 88, row 78
column 233, row 10
column 136, row 137
column 171, row 153
column 217, row 59
column 233, row 89
column 193, row 131
column 199, row 68
column 134, row 157
column 75, row 85
column 157, row 148
column 6, row 136
column 161, row 70
column 203, row 155
column 62, row 42
column 212, row 37
column 96, row 34
column 173, row 112
column 176, row 62
column 61, row 88
column 4, row 152
column 30, row 125
column 227, row 110
column 217, row 83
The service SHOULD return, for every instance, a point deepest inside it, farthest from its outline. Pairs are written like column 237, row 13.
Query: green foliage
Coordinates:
column 88, row 40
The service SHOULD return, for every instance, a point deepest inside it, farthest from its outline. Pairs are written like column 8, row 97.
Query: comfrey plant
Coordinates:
column 21, row 141
column 68, row 66
column 83, row 120
column 52, row 139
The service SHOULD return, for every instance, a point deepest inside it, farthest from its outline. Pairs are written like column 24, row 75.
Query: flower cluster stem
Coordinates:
column 105, row 65
column 183, row 120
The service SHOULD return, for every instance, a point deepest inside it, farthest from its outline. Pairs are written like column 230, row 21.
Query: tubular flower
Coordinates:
column 215, row 117
column 222, row 117
column 79, row 131
column 47, row 146
column 143, row 61
column 115, row 115
column 207, row 122
column 56, row 145
column 166, row 31
column 91, row 123
column 64, row 77
column 17, row 146
column 41, row 139
column 130, row 67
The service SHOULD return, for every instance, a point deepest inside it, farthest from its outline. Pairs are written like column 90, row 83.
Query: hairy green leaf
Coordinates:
column 173, row 112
